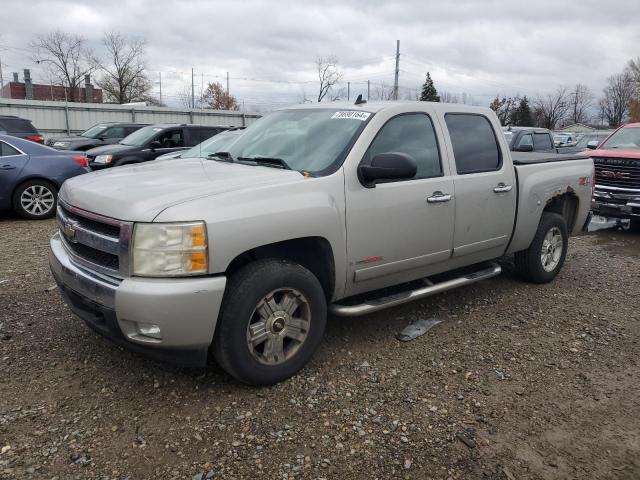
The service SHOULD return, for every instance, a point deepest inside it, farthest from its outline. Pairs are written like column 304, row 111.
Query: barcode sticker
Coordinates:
column 352, row 115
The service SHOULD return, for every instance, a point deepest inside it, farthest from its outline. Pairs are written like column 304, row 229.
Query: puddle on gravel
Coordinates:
column 613, row 236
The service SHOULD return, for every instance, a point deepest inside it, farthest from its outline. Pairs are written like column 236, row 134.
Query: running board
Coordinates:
column 381, row 303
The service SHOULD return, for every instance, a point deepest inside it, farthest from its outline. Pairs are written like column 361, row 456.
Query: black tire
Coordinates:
column 245, row 290
column 634, row 225
column 529, row 262
column 48, row 192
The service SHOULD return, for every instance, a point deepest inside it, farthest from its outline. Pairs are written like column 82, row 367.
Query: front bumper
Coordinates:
column 616, row 203
column 185, row 309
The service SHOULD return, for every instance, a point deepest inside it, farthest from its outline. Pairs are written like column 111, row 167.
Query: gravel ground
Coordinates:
column 518, row 381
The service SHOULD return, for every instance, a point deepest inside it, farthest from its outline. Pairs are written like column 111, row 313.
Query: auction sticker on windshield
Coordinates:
column 352, row 115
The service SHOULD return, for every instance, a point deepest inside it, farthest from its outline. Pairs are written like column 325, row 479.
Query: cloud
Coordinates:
column 478, row 47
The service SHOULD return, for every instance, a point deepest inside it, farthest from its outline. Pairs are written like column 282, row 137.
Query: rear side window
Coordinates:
column 414, row 135
column 542, row 141
column 7, row 150
column 475, row 147
column 199, row 135
column 17, row 125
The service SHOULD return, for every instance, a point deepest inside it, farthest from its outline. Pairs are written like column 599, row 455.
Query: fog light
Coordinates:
column 149, row 330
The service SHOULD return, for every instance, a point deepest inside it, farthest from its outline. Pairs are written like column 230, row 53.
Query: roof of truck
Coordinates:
column 374, row 107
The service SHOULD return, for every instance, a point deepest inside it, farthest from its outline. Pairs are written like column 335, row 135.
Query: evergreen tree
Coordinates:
column 522, row 116
column 429, row 92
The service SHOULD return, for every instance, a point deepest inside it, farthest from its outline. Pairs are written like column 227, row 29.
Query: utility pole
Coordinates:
column 227, row 84
column 368, row 89
column 193, row 103
column 348, row 90
column 395, row 82
column 160, row 78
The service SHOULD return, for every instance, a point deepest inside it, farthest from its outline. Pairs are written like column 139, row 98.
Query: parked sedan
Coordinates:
column 101, row 134
column 31, row 175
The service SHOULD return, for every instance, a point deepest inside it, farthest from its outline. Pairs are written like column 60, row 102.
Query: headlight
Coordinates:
column 170, row 249
column 103, row 159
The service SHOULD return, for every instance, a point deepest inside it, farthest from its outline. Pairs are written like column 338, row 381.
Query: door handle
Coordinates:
column 439, row 197
column 7, row 167
column 502, row 188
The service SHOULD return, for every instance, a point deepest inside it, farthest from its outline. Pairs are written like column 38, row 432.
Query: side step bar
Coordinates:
column 381, row 303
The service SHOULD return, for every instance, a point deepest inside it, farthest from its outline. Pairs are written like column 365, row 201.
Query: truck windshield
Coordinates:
column 141, row 137
column 624, row 138
column 94, row 131
column 313, row 140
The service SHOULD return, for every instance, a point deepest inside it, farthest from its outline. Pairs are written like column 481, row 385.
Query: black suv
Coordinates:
column 19, row 127
column 150, row 142
column 102, row 134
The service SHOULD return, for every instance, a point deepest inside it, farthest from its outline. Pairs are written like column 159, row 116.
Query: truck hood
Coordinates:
column 616, row 153
column 141, row 192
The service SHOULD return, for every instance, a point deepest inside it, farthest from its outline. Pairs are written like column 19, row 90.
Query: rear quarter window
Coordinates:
column 475, row 146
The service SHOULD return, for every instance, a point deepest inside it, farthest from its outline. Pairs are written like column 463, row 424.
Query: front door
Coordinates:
column 398, row 228
column 485, row 188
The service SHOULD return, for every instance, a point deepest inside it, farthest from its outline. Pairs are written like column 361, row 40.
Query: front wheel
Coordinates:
column 35, row 200
column 272, row 320
column 542, row 261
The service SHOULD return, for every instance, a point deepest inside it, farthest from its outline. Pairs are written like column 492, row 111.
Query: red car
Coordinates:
column 617, row 182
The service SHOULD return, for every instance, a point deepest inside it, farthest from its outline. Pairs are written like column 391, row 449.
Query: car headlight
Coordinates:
column 170, row 249
column 103, row 159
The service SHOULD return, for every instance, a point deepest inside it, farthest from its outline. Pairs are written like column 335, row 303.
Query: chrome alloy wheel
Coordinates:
column 37, row 200
column 279, row 326
column 551, row 251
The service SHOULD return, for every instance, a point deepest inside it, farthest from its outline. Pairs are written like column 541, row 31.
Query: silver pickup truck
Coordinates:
column 337, row 208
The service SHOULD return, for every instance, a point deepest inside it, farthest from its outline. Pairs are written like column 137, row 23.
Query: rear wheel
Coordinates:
column 35, row 199
column 272, row 320
column 542, row 261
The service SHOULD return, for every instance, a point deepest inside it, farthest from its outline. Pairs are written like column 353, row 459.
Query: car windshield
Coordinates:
column 217, row 143
column 590, row 137
column 313, row 140
column 94, row 131
column 141, row 137
column 624, row 138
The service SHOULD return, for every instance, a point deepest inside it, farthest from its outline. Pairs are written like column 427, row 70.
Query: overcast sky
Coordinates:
column 269, row 47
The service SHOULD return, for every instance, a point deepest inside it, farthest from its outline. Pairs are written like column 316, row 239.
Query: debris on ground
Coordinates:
column 417, row 329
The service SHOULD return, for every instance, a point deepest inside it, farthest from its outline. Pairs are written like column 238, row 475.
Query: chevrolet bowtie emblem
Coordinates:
column 69, row 230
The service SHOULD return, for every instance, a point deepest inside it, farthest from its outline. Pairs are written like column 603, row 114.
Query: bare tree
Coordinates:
column 328, row 75
column 616, row 98
column 448, row 97
column 504, row 108
column 66, row 57
column 580, row 102
column 633, row 67
column 124, row 77
column 552, row 108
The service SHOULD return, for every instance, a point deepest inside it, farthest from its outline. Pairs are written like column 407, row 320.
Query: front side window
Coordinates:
column 95, row 131
column 543, row 141
column 7, row 150
column 475, row 147
column 115, row 132
column 412, row 134
column 171, row 139
column 526, row 139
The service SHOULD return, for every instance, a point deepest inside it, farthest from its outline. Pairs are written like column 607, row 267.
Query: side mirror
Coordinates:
column 592, row 145
column 387, row 166
column 155, row 144
column 525, row 148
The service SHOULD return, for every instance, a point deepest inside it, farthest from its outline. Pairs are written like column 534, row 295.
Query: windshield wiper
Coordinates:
column 222, row 156
column 266, row 161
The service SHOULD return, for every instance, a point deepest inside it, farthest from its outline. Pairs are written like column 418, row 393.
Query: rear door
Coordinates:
column 484, row 185
column 12, row 161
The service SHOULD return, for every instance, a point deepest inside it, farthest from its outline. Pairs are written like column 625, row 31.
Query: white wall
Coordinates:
column 55, row 119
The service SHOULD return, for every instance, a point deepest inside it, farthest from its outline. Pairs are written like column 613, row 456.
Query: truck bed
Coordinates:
column 529, row 158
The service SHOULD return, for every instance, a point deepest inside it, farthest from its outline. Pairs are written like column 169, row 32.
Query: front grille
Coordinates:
column 618, row 172
column 95, row 242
